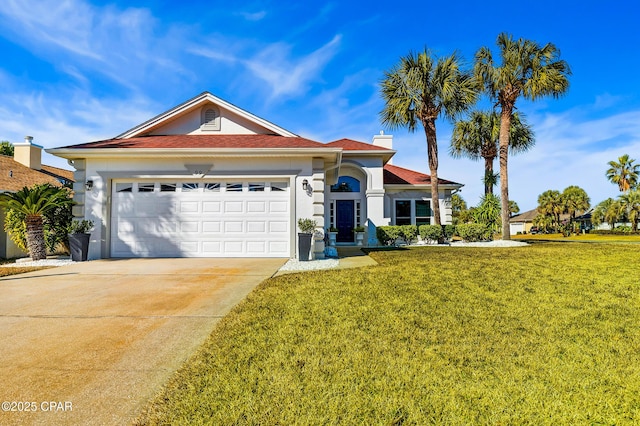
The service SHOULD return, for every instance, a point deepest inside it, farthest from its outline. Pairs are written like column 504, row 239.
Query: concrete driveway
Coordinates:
column 92, row 342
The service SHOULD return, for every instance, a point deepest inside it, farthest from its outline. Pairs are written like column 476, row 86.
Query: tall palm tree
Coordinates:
column 575, row 200
column 550, row 204
column 479, row 136
column 526, row 70
column 624, row 173
column 34, row 203
column 630, row 202
column 418, row 90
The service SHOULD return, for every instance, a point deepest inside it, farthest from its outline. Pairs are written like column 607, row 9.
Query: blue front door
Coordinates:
column 344, row 220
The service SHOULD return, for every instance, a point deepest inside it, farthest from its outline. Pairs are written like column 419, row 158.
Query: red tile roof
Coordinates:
column 204, row 141
column 394, row 175
column 351, row 145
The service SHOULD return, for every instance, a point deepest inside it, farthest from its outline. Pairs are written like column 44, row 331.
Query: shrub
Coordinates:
column 623, row 229
column 16, row 228
column 472, row 232
column 408, row 233
column 449, row 231
column 431, row 232
column 307, row 226
column 387, row 235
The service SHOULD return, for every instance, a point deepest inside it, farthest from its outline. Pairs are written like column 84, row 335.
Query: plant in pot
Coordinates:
column 359, row 231
column 333, row 234
column 305, row 236
column 79, row 234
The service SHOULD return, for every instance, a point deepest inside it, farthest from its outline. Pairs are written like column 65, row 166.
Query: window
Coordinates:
column 210, row 118
column 358, row 214
column 256, row 187
column 124, row 187
column 168, row 187
column 146, row 187
column 346, row 184
column 212, row 187
column 189, row 187
column 234, row 187
column 423, row 212
column 278, row 186
column 403, row 212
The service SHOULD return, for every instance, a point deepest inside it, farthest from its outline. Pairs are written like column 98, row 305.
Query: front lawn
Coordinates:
column 597, row 238
column 545, row 334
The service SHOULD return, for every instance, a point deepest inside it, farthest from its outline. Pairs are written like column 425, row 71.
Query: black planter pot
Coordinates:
column 79, row 246
column 304, row 246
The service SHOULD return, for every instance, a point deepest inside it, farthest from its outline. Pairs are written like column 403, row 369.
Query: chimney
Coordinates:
column 28, row 153
column 383, row 141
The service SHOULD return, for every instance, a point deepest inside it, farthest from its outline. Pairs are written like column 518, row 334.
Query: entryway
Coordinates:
column 345, row 220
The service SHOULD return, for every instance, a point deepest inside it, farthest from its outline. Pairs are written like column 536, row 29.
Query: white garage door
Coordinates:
column 200, row 219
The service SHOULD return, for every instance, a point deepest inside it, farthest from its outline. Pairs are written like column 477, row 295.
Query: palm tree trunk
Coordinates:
column 35, row 237
column 432, row 151
column 488, row 172
column 505, row 125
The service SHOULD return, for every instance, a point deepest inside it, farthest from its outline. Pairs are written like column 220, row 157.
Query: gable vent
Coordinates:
column 210, row 119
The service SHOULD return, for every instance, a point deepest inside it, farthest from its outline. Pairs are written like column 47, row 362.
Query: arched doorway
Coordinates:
column 347, row 205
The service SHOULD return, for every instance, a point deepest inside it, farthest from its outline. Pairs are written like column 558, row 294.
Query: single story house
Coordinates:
column 523, row 222
column 208, row 179
column 25, row 168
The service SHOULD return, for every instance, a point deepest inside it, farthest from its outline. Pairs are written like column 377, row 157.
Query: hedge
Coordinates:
column 472, row 232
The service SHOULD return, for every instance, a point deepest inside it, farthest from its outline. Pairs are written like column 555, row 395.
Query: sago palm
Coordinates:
column 524, row 69
column 479, row 136
column 623, row 173
column 34, row 203
column 418, row 90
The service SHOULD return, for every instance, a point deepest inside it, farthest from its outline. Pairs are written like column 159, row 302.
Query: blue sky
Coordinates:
column 75, row 71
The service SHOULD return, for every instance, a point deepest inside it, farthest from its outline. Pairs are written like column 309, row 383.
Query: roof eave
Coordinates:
column 75, row 153
column 422, row 186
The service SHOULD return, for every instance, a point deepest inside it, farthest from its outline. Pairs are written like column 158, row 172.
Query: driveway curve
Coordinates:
column 92, row 342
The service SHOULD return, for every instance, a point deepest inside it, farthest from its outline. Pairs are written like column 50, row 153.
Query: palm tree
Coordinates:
column 550, row 204
column 514, row 209
column 526, row 70
column 418, row 90
column 631, row 205
column 575, row 200
column 610, row 211
column 34, row 203
column 623, row 173
column 478, row 137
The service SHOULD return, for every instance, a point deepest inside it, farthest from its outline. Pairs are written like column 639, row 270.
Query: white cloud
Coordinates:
column 286, row 76
column 254, row 16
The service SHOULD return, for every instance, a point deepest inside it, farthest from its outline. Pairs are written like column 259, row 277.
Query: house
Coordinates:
column 208, row 179
column 25, row 168
column 522, row 223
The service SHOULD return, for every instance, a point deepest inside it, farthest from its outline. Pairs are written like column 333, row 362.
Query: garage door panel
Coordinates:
column 233, row 226
column 211, row 227
column 201, row 222
column 233, row 206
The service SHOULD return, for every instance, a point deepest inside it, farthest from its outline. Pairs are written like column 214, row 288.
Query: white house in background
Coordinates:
column 208, row 179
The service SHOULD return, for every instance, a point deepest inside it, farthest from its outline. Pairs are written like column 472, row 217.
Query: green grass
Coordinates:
column 543, row 335
column 597, row 238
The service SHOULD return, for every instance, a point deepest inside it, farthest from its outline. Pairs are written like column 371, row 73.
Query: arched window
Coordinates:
column 210, row 119
column 346, row 184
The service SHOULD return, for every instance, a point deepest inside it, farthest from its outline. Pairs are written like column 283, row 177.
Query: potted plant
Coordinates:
column 79, row 239
column 333, row 234
column 359, row 231
column 307, row 227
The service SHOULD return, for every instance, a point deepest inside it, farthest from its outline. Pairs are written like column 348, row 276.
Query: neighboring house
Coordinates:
column 208, row 179
column 522, row 222
column 25, row 169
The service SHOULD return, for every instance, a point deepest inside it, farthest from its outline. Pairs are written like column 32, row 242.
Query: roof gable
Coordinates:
column 186, row 118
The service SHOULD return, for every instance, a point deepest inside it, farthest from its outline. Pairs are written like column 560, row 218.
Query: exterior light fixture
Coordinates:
column 89, row 185
column 305, row 184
